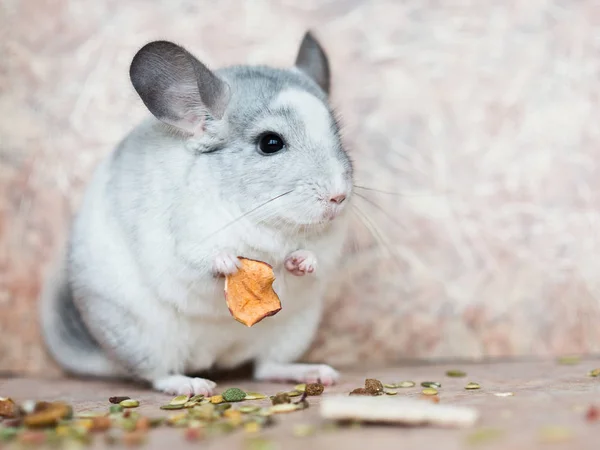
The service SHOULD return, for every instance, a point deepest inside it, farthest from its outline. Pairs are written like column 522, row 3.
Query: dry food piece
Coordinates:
column 234, row 395
column 594, row 373
column 280, row 398
column 315, row 389
column 373, row 387
column 396, row 410
column 249, row 292
column 117, row 400
column 49, row 416
column 8, row 408
column 359, row 391
column 100, row 424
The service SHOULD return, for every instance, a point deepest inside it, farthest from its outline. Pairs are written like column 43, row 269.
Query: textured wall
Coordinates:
column 482, row 115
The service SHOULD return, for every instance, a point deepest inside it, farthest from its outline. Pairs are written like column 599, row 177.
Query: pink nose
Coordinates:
column 338, row 199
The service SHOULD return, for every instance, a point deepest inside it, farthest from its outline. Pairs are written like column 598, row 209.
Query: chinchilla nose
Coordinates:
column 338, row 198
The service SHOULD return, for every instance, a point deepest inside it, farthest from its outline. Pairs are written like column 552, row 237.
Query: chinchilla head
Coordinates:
column 267, row 135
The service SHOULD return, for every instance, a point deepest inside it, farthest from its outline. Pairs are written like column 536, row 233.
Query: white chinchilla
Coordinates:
column 241, row 161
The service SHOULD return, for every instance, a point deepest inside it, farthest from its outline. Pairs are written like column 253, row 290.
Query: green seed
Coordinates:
column 594, row 373
column 569, row 360
column 171, row 407
column 429, row 391
column 390, row 386
column 115, row 409
column 293, row 393
column 431, row 384
column 196, row 398
column 300, row 387
column 254, row 396
column 234, row 395
column 247, row 409
column 472, row 386
column 179, row 400
column 456, row 374
column 391, row 392
column 129, row 403
column 406, row 384
column 221, row 407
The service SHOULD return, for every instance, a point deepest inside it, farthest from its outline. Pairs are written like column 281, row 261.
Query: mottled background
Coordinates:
column 482, row 116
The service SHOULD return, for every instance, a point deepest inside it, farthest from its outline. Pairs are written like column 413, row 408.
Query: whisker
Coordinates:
column 399, row 194
column 388, row 215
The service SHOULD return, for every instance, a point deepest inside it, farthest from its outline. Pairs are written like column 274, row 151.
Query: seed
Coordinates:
column 196, row 398
column 234, row 395
column 254, row 396
column 280, row 399
column 129, row 403
column 456, row 374
column 359, row 391
column 190, row 404
column 284, row 408
column 247, row 409
column 216, row 399
column 302, row 430
column 594, row 373
column 391, row 392
column 117, row 400
column 429, row 391
column 406, row 384
column 569, row 360
column 373, row 386
column 179, row 400
column 316, row 389
column 431, row 384
column 114, row 409
column 294, row 393
column 472, row 386
column 222, row 407
column 171, row 407
column 390, row 386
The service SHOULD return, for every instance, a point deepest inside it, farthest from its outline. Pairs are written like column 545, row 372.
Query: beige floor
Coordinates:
column 546, row 394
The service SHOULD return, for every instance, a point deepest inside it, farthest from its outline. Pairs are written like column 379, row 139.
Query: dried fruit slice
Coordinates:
column 249, row 292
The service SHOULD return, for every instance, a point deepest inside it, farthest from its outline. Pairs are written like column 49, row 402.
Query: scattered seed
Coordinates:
column 594, row 373
column 280, row 399
column 234, row 395
column 455, row 374
column 171, row 407
column 254, row 396
column 294, row 393
column 284, row 408
column 484, row 435
column 569, row 360
column 359, row 391
column 302, row 430
column 317, row 389
column 300, row 387
column 472, row 386
column 179, row 400
column 373, row 386
column 555, row 434
column 406, row 384
column 592, row 414
column 390, row 386
column 391, row 392
column 429, row 391
column 117, row 400
column 431, row 384
column 129, row 403
column 216, row 399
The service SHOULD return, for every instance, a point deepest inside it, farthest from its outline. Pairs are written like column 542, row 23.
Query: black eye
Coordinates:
column 270, row 143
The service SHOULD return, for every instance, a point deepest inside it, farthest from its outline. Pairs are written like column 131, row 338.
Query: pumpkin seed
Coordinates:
column 300, row 387
column 284, row 408
column 293, row 393
column 196, row 398
column 254, row 396
column 406, row 384
column 179, row 400
column 431, row 384
column 129, row 403
column 429, row 391
column 456, row 373
column 247, row 409
column 190, row 404
column 472, row 386
column 594, row 373
column 390, row 386
column 171, row 407
column 391, row 392
column 216, row 399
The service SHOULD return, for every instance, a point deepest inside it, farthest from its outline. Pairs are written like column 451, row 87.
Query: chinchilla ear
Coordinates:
column 312, row 60
column 176, row 87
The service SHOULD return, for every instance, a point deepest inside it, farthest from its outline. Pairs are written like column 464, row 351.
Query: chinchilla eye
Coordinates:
column 270, row 143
